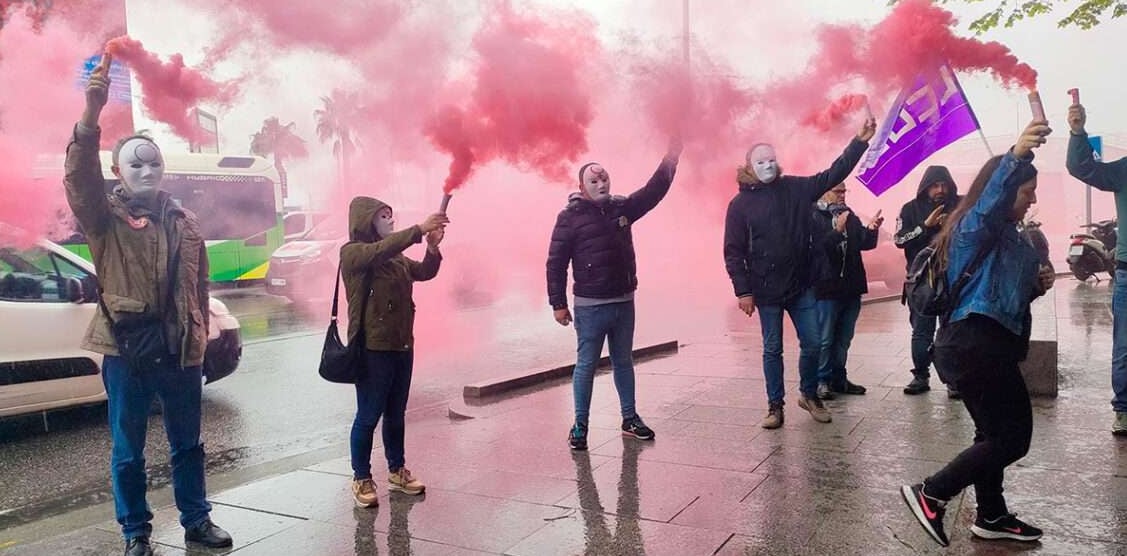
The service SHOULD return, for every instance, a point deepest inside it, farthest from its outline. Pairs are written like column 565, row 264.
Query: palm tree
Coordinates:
column 280, row 141
column 335, row 120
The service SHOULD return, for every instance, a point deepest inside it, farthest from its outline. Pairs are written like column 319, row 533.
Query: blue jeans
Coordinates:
column 130, row 401
column 803, row 311
column 382, row 390
column 614, row 323
column 837, row 319
column 923, row 335
column 1119, row 341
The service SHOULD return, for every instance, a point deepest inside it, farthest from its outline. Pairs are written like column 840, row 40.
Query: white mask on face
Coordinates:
column 763, row 164
column 385, row 222
column 596, row 183
column 140, row 166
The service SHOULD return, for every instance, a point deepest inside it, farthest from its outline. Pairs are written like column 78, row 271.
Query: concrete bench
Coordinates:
column 1040, row 366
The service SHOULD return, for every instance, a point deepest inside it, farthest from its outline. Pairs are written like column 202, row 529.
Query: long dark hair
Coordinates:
column 943, row 240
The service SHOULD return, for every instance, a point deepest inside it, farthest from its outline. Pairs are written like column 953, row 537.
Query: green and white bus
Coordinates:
column 238, row 200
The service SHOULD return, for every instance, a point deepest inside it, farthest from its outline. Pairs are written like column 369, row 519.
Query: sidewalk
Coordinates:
column 504, row 481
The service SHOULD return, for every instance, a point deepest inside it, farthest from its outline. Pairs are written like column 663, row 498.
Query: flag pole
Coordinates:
column 989, row 151
column 972, row 114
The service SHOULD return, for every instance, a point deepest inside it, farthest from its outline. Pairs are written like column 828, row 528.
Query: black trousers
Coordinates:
column 980, row 357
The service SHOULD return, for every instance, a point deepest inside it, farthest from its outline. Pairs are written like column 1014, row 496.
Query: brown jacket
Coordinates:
column 131, row 260
column 389, row 320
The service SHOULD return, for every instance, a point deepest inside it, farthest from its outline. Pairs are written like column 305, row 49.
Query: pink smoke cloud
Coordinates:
column 170, row 89
column 531, row 99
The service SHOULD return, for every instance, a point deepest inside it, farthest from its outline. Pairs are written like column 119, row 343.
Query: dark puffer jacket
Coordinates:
column 595, row 238
column 839, row 270
column 911, row 234
column 767, row 230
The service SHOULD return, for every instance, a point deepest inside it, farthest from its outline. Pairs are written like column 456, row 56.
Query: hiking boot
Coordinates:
column 774, row 418
column 1119, row 427
column 817, row 410
column 918, row 385
column 364, row 493
column 138, row 546
column 636, row 428
column 1005, row 527
column 850, row 388
column 403, row 481
column 928, row 511
column 953, row 393
column 825, row 392
column 577, row 438
column 208, row 534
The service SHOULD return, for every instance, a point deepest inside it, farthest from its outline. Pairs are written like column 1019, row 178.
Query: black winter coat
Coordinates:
column 839, row 270
column 767, row 248
column 911, row 234
column 595, row 238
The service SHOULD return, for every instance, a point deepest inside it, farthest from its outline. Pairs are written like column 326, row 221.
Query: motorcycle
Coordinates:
column 1031, row 229
column 1094, row 252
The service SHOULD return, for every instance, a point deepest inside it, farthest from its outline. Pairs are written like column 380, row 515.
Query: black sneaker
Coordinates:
column 919, row 385
column 577, row 438
column 138, row 546
column 208, row 534
column 928, row 511
column 636, row 428
column 825, row 392
column 850, row 388
column 1005, row 527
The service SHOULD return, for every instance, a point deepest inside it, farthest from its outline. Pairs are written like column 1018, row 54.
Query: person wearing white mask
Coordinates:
column 767, row 253
column 593, row 235
column 152, row 268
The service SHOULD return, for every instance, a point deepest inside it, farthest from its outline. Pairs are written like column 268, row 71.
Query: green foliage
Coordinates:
column 1084, row 15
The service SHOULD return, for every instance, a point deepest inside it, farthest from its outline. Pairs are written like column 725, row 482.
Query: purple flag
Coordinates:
column 926, row 117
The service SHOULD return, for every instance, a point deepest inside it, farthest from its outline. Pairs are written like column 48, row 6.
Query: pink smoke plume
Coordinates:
column 919, row 35
column 170, row 88
column 36, row 120
column 530, row 104
column 705, row 108
column 832, row 116
column 344, row 27
column 915, row 37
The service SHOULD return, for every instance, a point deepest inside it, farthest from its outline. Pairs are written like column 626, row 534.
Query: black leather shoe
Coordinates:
column 138, row 546
column 851, row 389
column 918, row 385
column 209, row 535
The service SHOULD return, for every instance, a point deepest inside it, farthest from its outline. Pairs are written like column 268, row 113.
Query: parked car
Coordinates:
column 297, row 224
column 305, row 268
column 48, row 297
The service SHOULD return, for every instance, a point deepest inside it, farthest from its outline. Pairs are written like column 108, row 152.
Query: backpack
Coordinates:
column 926, row 289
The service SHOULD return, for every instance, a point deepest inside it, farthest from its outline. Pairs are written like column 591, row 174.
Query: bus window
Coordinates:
column 228, row 207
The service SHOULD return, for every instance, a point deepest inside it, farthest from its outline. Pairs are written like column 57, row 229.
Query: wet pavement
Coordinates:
column 504, row 482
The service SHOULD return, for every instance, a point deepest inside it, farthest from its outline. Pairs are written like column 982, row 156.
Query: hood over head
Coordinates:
column 361, row 217
column 935, row 174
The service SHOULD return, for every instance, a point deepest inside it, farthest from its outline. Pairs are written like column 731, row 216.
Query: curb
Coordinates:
column 496, row 386
column 881, row 299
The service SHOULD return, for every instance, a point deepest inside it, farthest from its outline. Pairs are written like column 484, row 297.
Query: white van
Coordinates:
column 48, row 296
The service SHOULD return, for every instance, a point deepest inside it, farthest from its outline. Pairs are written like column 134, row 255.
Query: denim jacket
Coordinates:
column 1006, row 281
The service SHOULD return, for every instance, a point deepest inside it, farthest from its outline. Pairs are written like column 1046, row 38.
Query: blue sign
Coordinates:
column 1097, row 143
column 120, row 90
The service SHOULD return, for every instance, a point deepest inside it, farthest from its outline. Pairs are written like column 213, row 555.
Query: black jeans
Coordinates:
column 382, row 390
column 980, row 357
